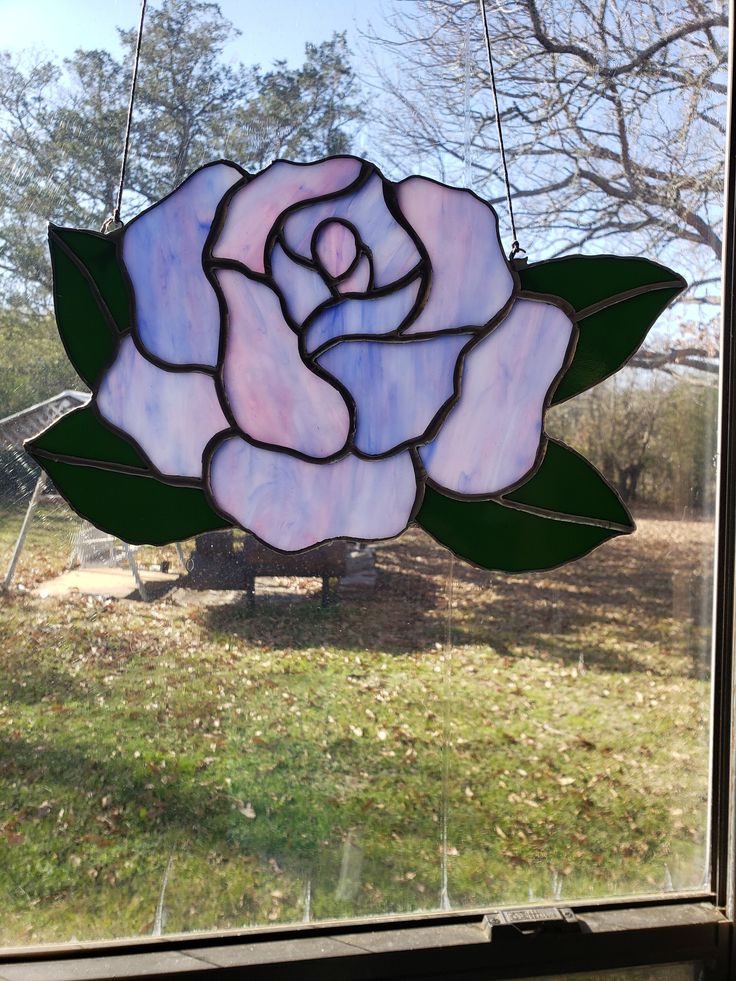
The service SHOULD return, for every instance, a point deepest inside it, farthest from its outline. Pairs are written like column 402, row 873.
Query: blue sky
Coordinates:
column 270, row 28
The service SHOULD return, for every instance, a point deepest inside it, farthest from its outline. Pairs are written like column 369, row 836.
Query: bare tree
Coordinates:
column 614, row 118
column 652, row 436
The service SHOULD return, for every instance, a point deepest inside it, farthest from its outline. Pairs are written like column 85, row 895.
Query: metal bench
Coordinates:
column 219, row 561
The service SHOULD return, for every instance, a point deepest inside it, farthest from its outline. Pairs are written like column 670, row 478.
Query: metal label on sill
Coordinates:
column 522, row 917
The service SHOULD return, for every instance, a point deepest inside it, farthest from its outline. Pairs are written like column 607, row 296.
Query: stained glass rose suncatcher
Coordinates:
column 315, row 352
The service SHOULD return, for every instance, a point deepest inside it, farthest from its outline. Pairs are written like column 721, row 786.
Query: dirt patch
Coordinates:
column 105, row 581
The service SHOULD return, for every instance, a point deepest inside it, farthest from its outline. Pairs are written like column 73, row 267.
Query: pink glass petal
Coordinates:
column 358, row 280
column 274, row 397
column 398, row 386
column 254, row 209
column 170, row 414
column 394, row 252
column 492, row 436
column 292, row 504
column 178, row 319
column 302, row 288
column 336, row 248
column 372, row 315
column 471, row 280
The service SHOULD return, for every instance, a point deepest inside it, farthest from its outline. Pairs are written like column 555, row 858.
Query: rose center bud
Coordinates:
column 335, row 248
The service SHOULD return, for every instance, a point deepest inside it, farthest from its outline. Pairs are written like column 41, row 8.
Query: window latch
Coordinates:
column 514, row 924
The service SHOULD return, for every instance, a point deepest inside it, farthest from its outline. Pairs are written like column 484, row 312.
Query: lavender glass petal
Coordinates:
column 372, row 315
column 274, row 397
column 302, row 288
column 358, row 280
column 336, row 248
column 171, row 414
column 491, row 437
column 292, row 504
column 394, row 252
column 178, row 319
column 398, row 386
column 471, row 280
column 253, row 209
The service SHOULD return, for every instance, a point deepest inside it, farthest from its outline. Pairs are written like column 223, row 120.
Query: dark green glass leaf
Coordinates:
column 98, row 255
column 610, row 335
column 609, row 338
column 86, row 332
column 567, row 484
column 502, row 538
column 90, row 464
column 585, row 280
column 83, row 435
column 139, row 509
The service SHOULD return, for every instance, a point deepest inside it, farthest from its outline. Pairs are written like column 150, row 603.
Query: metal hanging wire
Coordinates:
column 115, row 221
column 515, row 247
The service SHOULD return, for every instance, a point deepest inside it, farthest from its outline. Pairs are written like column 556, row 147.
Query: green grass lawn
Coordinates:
column 487, row 740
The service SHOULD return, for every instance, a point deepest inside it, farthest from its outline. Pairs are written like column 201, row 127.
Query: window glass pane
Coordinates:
column 212, row 735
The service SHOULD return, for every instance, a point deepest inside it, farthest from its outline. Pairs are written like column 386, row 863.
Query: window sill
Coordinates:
column 453, row 947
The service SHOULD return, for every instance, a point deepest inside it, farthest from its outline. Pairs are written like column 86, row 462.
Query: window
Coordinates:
column 212, row 757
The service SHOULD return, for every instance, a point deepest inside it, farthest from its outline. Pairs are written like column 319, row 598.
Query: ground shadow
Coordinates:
column 610, row 609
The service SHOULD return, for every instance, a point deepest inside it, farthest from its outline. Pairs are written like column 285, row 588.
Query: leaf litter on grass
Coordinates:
column 287, row 762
